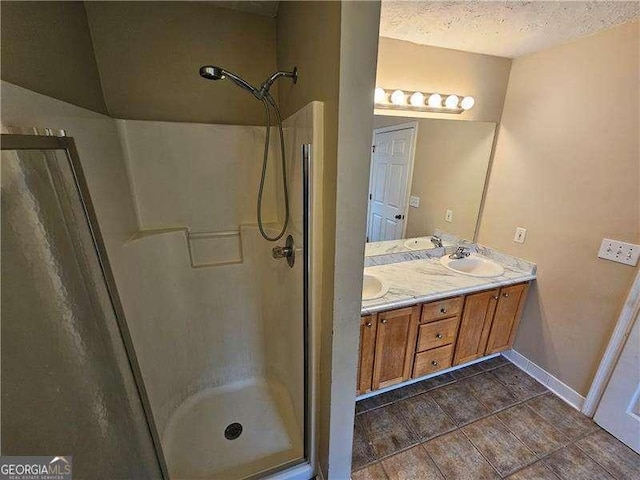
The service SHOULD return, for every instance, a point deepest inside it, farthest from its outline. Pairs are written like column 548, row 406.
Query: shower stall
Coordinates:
column 219, row 336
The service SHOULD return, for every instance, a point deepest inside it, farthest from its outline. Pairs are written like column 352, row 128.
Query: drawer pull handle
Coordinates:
column 505, row 295
column 443, row 310
column 368, row 324
column 383, row 321
column 438, row 335
column 434, row 363
column 496, row 297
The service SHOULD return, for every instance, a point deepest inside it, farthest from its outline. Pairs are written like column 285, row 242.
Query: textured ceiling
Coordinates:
column 505, row 28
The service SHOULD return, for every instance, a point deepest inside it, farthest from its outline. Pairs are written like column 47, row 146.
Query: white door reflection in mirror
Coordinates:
column 391, row 168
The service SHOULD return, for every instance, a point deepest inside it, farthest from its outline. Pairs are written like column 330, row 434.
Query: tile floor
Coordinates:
column 487, row 421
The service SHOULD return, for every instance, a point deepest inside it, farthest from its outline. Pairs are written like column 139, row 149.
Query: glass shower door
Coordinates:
column 67, row 385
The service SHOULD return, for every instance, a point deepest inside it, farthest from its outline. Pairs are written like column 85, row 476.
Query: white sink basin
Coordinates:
column 473, row 265
column 422, row 243
column 373, row 287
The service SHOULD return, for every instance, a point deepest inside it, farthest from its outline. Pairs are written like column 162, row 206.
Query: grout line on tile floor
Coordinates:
column 455, row 380
column 435, row 464
column 457, row 427
column 543, row 457
column 567, row 442
column 482, row 454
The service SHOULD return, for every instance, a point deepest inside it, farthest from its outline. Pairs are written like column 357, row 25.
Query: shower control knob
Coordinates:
column 288, row 251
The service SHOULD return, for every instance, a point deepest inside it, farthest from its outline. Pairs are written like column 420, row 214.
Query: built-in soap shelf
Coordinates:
column 205, row 249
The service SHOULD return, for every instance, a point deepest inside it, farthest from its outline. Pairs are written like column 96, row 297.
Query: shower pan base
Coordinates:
column 195, row 444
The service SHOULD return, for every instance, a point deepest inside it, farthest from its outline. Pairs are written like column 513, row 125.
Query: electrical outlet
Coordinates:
column 414, row 201
column 621, row 252
column 520, row 235
column 449, row 216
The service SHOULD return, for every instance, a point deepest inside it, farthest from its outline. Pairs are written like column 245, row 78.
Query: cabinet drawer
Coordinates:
column 432, row 360
column 436, row 334
column 441, row 309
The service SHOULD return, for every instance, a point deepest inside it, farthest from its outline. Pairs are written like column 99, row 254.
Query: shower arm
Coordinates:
column 266, row 85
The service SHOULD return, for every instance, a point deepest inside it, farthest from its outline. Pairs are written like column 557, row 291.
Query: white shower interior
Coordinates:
column 217, row 324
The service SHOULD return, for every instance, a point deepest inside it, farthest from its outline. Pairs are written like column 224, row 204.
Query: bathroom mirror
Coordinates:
column 426, row 175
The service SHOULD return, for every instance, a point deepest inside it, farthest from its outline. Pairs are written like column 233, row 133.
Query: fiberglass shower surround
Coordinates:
column 220, row 340
column 212, row 72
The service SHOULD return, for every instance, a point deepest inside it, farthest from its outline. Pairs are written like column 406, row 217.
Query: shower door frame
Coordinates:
column 10, row 141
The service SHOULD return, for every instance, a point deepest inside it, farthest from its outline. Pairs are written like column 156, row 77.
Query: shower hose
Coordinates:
column 266, row 102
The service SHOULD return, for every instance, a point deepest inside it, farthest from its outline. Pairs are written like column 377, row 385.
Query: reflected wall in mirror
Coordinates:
column 427, row 175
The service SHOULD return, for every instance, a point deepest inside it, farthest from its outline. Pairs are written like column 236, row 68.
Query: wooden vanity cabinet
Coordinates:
column 437, row 335
column 395, row 346
column 489, row 322
column 368, row 328
column 506, row 318
column 416, row 341
column 475, row 326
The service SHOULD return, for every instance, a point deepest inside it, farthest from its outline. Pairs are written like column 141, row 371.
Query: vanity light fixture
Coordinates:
column 417, row 99
column 422, row 102
column 467, row 103
column 435, row 100
column 398, row 97
column 452, row 102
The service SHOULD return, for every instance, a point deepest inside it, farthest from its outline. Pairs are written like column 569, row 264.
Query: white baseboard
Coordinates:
column 561, row 389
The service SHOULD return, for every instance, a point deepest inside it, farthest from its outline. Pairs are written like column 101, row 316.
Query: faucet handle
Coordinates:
column 461, row 252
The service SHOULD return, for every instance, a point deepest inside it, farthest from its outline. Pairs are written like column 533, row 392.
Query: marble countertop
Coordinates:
column 424, row 280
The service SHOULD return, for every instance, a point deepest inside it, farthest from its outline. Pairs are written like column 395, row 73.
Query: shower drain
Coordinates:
column 233, row 431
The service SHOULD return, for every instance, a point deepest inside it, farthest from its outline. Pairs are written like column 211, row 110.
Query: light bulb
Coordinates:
column 417, row 99
column 435, row 100
column 379, row 95
column 451, row 101
column 398, row 97
column 467, row 103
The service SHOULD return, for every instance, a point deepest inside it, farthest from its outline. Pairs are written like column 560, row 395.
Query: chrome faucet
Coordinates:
column 437, row 241
column 461, row 252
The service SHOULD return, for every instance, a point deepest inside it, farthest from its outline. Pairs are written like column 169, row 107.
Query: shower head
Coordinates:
column 212, row 72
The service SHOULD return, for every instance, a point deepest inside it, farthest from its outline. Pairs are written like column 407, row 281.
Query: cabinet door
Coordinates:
column 506, row 317
column 368, row 327
column 475, row 326
column 395, row 346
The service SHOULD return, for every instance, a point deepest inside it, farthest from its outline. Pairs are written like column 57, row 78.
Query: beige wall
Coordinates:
column 410, row 66
column 309, row 38
column 449, row 172
column 149, row 54
column 358, row 51
column 46, row 47
column 566, row 167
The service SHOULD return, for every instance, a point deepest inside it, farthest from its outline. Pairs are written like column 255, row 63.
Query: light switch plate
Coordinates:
column 621, row 252
column 414, row 201
column 449, row 216
column 521, row 234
